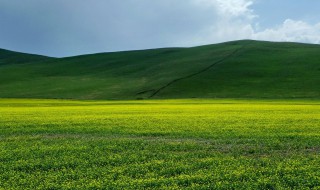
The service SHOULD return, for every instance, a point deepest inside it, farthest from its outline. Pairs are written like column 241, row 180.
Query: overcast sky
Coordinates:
column 72, row 27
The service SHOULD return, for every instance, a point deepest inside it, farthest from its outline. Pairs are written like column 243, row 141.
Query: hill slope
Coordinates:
column 11, row 57
column 240, row 69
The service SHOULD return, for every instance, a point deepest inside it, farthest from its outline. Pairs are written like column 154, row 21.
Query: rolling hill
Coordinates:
column 239, row 69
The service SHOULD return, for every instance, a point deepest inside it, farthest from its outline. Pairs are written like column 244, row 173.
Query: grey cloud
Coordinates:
column 61, row 28
column 72, row 27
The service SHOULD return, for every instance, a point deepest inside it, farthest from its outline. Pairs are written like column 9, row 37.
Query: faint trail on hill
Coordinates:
column 199, row 72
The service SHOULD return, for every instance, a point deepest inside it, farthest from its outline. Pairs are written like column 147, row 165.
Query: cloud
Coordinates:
column 235, row 8
column 291, row 31
column 232, row 21
column 235, row 20
column 63, row 28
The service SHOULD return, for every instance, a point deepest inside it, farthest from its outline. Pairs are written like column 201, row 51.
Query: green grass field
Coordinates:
column 240, row 69
column 159, row 144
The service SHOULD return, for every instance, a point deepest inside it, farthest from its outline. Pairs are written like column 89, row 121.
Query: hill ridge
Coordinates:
column 13, row 57
column 260, row 70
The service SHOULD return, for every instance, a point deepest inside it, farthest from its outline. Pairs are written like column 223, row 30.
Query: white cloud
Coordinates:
column 237, row 20
column 229, row 7
column 235, row 8
column 291, row 30
column 232, row 21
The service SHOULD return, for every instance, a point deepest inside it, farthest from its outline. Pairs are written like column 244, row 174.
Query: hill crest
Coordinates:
column 238, row 69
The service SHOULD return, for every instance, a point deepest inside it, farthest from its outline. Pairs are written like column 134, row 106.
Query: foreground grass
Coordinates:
column 196, row 144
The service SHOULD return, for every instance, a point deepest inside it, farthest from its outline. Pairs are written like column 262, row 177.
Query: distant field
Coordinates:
column 163, row 144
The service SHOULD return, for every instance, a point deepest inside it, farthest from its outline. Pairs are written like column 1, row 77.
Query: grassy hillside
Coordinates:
column 11, row 57
column 240, row 69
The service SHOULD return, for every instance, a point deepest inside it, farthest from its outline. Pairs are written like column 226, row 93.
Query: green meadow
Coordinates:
column 240, row 69
column 159, row 144
column 236, row 115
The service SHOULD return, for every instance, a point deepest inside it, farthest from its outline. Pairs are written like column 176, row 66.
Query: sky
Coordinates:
column 61, row 28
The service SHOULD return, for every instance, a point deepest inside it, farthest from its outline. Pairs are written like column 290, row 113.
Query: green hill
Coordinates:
column 11, row 57
column 240, row 69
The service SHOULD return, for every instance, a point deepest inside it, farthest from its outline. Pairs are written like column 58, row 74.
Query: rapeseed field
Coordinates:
column 159, row 144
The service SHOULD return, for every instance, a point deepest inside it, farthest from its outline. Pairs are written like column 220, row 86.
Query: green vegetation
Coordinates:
column 11, row 57
column 268, row 140
column 163, row 144
column 241, row 69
